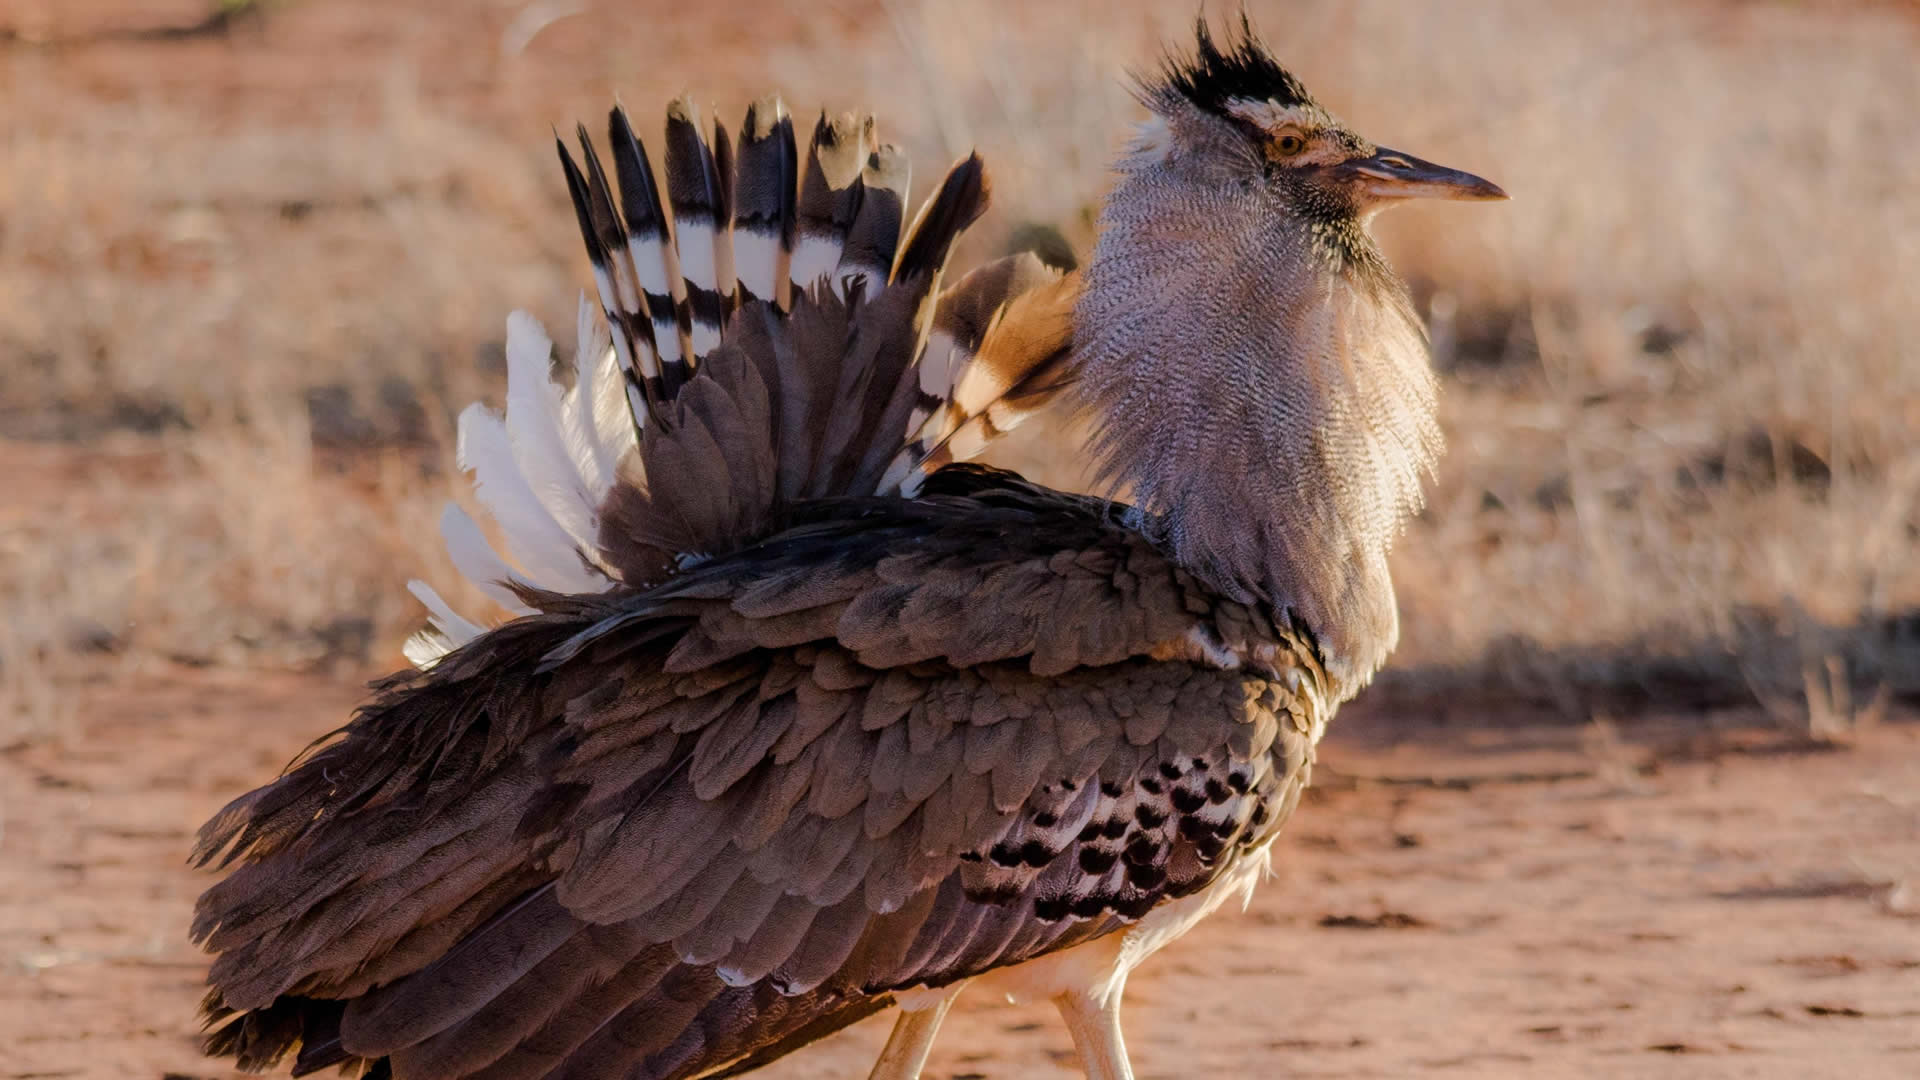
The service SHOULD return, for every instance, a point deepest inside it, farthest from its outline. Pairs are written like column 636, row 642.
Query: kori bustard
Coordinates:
column 799, row 717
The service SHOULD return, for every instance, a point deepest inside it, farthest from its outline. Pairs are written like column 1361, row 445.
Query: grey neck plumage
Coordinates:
column 1261, row 385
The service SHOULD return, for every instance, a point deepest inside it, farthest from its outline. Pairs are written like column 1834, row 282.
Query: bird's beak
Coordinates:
column 1390, row 174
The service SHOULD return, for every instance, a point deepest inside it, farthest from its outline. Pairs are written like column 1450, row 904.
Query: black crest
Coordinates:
column 1244, row 69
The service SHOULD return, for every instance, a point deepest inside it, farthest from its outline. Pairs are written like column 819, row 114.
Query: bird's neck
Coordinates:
column 1265, row 394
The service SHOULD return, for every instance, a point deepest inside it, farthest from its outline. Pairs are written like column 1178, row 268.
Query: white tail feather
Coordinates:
column 598, row 415
column 456, row 628
column 476, row 560
column 696, row 246
column 536, row 416
column 612, row 422
column 537, row 542
column 593, row 450
column 426, row 647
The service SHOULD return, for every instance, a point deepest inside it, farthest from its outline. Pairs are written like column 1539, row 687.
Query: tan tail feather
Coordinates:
column 983, row 376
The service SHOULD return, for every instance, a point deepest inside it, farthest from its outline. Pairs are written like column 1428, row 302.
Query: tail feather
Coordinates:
column 766, row 192
column 702, row 224
column 976, row 431
column 534, row 418
column 968, row 310
column 615, row 276
column 655, row 260
column 873, row 236
column 597, row 429
column 961, row 200
column 446, row 629
column 551, row 558
column 996, row 356
column 725, row 176
column 830, row 195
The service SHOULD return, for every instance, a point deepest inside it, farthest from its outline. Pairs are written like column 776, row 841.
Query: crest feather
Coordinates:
column 1213, row 76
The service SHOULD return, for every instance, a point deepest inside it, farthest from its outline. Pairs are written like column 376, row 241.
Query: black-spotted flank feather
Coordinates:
column 1244, row 70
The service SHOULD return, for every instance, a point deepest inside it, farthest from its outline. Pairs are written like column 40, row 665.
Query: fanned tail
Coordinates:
column 774, row 331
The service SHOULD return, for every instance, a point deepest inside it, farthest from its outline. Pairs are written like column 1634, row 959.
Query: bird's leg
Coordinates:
column 1094, row 1022
column 906, row 1049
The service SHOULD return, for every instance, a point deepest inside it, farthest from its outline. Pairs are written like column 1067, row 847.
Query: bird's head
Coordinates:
column 1232, row 115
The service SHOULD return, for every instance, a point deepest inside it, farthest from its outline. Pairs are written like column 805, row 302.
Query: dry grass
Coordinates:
column 1681, row 392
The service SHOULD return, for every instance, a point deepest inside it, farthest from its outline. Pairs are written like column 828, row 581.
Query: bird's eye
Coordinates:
column 1290, row 144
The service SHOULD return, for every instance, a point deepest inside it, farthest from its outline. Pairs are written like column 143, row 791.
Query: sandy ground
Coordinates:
column 1684, row 899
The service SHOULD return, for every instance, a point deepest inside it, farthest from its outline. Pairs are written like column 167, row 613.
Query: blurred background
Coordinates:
column 255, row 255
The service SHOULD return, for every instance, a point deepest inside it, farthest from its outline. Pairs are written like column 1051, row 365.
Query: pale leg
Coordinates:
column 906, row 1049
column 1094, row 1023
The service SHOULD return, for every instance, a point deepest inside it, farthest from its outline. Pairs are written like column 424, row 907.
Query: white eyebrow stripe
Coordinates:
column 1272, row 116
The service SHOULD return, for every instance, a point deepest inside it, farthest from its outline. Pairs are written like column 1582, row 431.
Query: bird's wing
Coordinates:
column 898, row 743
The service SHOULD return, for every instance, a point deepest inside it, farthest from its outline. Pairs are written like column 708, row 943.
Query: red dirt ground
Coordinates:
column 1490, row 902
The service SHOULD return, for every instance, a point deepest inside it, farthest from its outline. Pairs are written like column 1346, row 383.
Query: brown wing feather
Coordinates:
column 733, row 855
